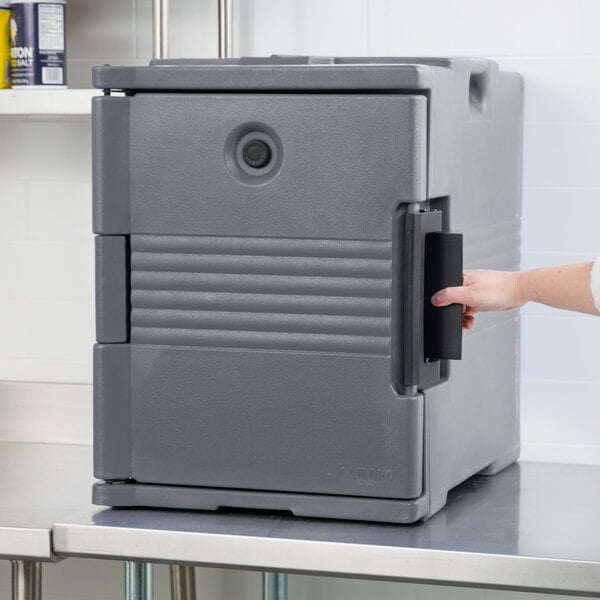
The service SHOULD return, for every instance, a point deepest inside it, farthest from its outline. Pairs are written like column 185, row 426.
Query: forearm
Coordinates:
column 566, row 287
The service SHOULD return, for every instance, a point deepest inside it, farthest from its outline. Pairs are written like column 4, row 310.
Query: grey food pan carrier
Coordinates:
column 269, row 232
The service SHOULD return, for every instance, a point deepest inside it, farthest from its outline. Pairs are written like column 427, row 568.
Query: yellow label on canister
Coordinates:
column 4, row 47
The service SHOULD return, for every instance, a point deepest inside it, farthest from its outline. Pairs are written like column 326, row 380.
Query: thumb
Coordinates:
column 451, row 295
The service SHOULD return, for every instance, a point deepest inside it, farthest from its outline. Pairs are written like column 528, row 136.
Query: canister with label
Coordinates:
column 37, row 39
column 4, row 45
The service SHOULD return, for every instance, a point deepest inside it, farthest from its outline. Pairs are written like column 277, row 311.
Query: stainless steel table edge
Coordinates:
column 440, row 567
column 20, row 543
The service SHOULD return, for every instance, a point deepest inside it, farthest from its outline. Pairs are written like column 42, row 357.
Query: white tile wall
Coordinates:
column 97, row 33
column 118, row 32
column 493, row 28
column 46, row 251
column 559, row 88
column 560, row 221
column 561, row 154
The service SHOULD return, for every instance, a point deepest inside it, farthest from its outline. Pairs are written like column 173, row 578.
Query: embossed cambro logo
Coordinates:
column 367, row 474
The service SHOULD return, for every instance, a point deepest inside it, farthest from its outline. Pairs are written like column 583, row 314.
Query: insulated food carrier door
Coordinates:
column 261, row 343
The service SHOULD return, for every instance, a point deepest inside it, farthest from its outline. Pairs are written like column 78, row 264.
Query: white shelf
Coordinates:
column 46, row 102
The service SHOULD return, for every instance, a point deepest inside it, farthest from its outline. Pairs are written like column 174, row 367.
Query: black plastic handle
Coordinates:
column 443, row 268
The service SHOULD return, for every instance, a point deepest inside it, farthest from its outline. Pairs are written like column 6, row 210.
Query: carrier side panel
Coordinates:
column 110, row 165
column 477, row 411
column 112, row 289
column 112, row 411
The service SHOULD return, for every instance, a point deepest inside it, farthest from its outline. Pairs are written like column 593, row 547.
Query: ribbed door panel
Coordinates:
column 263, row 293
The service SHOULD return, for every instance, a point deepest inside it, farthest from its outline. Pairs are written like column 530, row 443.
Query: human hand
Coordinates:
column 482, row 291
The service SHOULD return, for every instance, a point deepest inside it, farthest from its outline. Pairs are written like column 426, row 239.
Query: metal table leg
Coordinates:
column 183, row 583
column 138, row 581
column 225, row 27
column 274, row 586
column 160, row 28
column 26, row 580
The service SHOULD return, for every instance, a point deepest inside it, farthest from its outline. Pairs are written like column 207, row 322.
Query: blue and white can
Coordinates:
column 37, row 40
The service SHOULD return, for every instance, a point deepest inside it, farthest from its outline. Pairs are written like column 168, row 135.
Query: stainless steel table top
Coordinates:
column 535, row 527
column 39, row 485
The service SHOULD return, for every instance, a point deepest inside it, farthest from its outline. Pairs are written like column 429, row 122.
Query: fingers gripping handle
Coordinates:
column 443, row 268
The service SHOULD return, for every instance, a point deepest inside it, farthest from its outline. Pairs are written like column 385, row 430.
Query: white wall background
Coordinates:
column 46, row 305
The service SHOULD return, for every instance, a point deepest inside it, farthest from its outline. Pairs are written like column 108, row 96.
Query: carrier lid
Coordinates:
column 282, row 73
